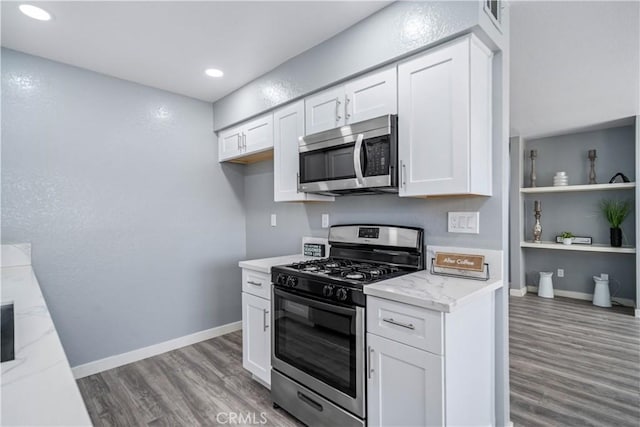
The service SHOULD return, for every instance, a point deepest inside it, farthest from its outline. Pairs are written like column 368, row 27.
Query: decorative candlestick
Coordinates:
column 537, row 228
column 534, row 154
column 592, row 172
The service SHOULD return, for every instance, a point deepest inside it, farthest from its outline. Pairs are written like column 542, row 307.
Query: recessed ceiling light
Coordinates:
column 213, row 72
column 35, row 12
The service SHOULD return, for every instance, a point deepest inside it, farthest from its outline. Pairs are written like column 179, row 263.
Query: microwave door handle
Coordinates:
column 357, row 165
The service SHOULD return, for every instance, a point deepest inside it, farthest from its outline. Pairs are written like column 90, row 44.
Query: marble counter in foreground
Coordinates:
column 264, row 265
column 433, row 292
column 38, row 387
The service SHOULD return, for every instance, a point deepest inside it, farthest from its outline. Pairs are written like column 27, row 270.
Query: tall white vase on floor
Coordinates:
column 545, row 284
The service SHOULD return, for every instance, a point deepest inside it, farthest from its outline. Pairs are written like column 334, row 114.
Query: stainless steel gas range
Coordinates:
column 318, row 318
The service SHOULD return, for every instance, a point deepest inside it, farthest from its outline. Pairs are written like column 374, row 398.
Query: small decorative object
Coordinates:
column 560, row 179
column 534, row 154
column 601, row 294
column 621, row 175
column 465, row 266
column 545, row 284
column 537, row 228
column 567, row 237
column 577, row 240
column 592, row 171
column 615, row 211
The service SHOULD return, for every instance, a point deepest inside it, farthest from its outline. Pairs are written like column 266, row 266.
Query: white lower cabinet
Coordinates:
column 429, row 368
column 404, row 385
column 256, row 336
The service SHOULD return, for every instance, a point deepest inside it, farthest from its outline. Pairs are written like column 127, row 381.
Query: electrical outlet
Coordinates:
column 604, row 276
column 325, row 220
column 561, row 272
column 274, row 221
column 463, row 222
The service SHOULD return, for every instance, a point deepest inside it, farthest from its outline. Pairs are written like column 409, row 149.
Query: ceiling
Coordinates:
column 168, row 45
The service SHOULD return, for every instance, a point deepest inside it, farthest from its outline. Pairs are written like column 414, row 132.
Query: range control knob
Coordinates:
column 292, row 282
column 327, row 291
column 341, row 294
column 281, row 279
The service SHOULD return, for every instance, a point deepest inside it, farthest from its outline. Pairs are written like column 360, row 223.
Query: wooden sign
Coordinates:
column 459, row 261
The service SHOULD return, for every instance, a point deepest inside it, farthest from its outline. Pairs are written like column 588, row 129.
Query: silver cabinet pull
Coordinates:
column 244, row 141
column 404, row 174
column 347, row 115
column 251, row 282
column 338, row 116
column 264, row 319
column 395, row 322
column 370, row 365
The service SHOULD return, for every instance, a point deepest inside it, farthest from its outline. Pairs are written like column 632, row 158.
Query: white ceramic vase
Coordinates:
column 545, row 284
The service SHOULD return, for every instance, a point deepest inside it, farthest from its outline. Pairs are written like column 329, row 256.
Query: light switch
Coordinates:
column 325, row 220
column 273, row 220
column 463, row 222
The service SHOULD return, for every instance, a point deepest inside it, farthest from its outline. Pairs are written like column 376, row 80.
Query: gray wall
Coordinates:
column 136, row 229
column 397, row 30
column 298, row 219
column 579, row 212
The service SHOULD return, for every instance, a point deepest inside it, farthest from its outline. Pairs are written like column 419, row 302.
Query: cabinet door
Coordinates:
column 256, row 336
column 404, row 386
column 324, row 110
column 258, row 134
column 371, row 96
column 433, row 122
column 229, row 143
column 288, row 126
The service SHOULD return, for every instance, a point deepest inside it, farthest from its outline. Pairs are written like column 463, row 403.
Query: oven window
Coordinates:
column 317, row 341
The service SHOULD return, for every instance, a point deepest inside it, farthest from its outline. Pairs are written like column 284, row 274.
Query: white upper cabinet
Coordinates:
column 247, row 139
column 370, row 96
column 444, row 120
column 325, row 110
column 288, row 126
column 258, row 134
column 229, row 143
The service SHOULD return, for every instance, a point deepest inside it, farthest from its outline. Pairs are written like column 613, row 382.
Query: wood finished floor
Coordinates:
column 198, row 385
column 572, row 364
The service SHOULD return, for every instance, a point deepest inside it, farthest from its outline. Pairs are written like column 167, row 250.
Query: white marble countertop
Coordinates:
column 37, row 387
column 264, row 265
column 429, row 291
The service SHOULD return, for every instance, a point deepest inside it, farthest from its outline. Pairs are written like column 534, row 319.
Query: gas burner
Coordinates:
column 332, row 264
column 354, row 276
column 311, row 268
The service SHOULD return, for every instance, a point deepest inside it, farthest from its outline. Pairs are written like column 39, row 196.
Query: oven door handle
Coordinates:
column 316, row 304
column 357, row 165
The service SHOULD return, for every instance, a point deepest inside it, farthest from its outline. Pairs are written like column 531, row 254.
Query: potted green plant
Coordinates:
column 567, row 237
column 615, row 211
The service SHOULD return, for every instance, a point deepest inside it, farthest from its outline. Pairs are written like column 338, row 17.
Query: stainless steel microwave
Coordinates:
column 358, row 158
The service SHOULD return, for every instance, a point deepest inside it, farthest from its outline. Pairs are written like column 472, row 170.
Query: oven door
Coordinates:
column 321, row 346
column 348, row 163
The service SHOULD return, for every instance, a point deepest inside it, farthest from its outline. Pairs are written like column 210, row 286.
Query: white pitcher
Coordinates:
column 601, row 295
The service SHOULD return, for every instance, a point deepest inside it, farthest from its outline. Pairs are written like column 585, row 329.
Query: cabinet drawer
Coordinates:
column 408, row 324
column 256, row 283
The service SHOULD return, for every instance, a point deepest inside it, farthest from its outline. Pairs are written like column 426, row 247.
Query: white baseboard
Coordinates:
column 111, row 362
column 583, row 296
column 518, row 292
column 637, row 312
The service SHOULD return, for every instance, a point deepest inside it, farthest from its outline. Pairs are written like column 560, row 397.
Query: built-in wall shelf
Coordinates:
column 586, row 187
column 577, row 247
column 575, row 208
